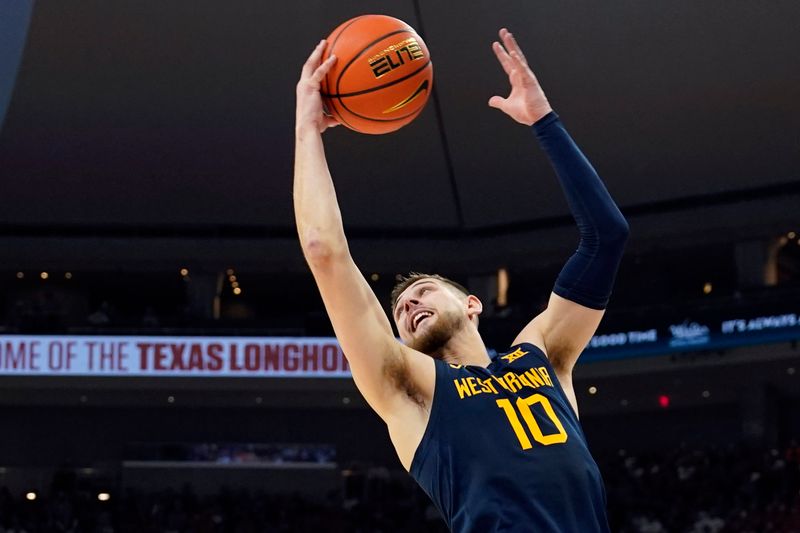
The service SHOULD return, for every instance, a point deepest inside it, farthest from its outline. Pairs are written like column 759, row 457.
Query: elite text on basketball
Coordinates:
column 394, row 56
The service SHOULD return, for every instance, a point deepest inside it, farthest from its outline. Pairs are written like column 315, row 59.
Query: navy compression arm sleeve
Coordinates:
column 589, row 274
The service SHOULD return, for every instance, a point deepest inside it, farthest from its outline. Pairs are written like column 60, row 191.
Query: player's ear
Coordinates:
column 474, row 306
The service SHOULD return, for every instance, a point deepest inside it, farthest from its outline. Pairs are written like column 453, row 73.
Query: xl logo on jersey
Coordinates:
column 394, row 56
column 513, row 356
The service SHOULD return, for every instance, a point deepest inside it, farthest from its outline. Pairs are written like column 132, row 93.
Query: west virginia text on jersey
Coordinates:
column 510, row 381
column 504, row 451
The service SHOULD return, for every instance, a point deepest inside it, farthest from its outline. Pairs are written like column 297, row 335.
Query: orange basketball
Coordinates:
column 383, row 75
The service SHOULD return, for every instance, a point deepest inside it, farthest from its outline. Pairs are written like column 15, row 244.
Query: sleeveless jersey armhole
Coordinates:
column 423, row 448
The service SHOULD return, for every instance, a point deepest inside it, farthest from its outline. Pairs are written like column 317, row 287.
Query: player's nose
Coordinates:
column 410, row 304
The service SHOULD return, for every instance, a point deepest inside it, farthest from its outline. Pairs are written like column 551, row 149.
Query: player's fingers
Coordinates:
column 323, row 69
column 497, row 102
column 502, row 56
column 518, row 61
column 312, row 62
column 511, row 45
column 521, row 73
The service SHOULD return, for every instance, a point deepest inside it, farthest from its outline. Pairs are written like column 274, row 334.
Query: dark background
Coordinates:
column 152, row 119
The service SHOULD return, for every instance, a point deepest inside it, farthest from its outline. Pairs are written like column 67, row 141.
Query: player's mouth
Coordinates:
column 417, row 318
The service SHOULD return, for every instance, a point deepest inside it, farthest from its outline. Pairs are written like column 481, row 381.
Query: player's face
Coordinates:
column 428, row 314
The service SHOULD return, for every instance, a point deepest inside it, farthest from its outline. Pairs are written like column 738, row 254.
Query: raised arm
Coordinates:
column 584, row 285
column 387, row 373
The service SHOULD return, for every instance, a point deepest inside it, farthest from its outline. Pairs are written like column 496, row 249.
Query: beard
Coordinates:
column 439, row 334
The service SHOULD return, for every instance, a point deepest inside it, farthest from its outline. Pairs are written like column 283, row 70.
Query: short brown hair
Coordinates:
column 403, row 282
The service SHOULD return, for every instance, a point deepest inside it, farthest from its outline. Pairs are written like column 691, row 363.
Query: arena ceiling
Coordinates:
column 154, row 132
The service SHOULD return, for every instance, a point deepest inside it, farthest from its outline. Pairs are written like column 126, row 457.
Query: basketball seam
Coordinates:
column 361, row 52
column 333, row 44
column 419, row 110
column 344, row 106
column 327, row 82
column 395, row 82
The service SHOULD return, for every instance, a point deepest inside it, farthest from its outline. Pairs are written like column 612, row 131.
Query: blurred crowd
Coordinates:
column 133, row 303
column 229, row 511
column 232, row 453
column 714, row 490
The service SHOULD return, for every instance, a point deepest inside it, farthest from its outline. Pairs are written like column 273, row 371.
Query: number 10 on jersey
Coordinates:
column 524, row 407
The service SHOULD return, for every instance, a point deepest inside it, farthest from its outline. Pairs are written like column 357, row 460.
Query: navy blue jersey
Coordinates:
column 504, row 451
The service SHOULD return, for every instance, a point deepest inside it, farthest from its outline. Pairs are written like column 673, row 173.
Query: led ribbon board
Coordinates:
column 106, row 356
column 322, row 357
column 692, row 334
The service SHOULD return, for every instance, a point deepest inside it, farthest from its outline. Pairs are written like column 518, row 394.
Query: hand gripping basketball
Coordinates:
column 309, row 101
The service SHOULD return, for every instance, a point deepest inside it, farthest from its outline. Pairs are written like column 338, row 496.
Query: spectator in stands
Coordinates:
column 102, row 316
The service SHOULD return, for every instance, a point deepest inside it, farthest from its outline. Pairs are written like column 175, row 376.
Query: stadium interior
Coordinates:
column 146, row 156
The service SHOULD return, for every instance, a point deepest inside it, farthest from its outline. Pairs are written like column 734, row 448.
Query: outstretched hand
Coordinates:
column 527, row 102
column 309, row 100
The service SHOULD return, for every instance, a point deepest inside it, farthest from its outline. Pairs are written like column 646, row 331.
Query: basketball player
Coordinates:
column 496, row 444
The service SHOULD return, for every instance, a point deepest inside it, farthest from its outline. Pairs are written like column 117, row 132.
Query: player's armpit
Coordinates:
column 390, row 375
column 563, row 330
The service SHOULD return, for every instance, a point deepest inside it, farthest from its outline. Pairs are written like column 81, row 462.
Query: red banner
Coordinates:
column 172, row 356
